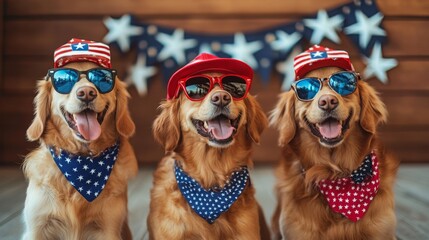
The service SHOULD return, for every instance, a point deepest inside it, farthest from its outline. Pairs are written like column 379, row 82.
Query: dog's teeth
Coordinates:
column 206, row 125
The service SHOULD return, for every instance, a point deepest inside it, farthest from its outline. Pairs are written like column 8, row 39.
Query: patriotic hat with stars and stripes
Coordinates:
column 317, row 57
column 79, row 50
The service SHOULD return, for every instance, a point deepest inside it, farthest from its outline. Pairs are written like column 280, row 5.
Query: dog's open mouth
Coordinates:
column 220, row 129
column 331, row 130
column 86, row 124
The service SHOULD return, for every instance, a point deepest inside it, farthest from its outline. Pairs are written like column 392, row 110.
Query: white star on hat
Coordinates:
column 324, row 26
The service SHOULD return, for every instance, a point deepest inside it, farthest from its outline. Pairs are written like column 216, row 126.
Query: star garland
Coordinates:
column 263, row 50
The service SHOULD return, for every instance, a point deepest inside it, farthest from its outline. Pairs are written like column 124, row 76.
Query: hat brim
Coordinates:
column 222, row 65
column 69, row 59
column 339, row 62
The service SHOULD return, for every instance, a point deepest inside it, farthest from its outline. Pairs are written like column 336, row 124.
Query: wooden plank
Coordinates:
column 406, row 108
column 12, row 229
column 138, row 202
column 207, row 7
column 12, row 195
column 47, row 35
column 412, row 203
column 407, row 76
column 416, row 173
column 263, row 181
column 1, row 42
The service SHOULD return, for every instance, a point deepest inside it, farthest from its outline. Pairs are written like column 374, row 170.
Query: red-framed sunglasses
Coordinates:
column 197, row 87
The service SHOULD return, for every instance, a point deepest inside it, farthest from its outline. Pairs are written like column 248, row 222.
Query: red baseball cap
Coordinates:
column 203, row 63
column 78, row 50
column 317, row 57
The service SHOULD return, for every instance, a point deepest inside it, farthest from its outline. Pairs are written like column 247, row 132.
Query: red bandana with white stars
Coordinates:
column 351, row 196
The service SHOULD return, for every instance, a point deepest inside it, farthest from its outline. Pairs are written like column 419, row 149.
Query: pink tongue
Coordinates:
column 220, row 128
column 330, row 128
column 87, row 125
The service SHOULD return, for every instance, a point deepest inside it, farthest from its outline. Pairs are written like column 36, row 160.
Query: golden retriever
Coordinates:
column 54, row 209
column 312, row 157
column 181, row 128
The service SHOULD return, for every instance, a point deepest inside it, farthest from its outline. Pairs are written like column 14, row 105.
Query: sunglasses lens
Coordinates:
column 103, row 79
column 307, row 88
column 64, row 80
column 197, row 87
column 236, row 86
column 343, row 83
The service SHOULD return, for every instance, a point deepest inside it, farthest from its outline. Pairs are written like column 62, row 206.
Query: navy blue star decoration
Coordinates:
column 87, row 174
column 168, row 49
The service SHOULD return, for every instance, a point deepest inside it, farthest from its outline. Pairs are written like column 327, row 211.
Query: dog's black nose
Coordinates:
column 86, row 94
column 328, row 102
column 221, row 98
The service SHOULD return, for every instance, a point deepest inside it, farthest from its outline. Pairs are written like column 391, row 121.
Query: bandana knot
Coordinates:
column 351, row 196
column 87, row 174
column 210, row 204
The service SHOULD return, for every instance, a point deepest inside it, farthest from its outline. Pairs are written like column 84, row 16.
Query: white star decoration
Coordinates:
column 243, row 50
column 285, row 41
column 286, row 68
column 120, row 31
column 324, row 26
column 366, row 27
column 174, row 46
column 377, row 66
column 79, row 46
column 139, row 74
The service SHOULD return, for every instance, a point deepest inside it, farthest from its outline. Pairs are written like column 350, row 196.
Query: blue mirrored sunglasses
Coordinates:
column 63, row 79
column 344, row 83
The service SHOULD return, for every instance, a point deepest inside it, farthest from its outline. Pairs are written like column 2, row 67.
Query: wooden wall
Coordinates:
column 30, row 30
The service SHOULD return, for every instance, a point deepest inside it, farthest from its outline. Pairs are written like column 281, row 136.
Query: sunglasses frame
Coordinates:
column 321, row 80
column 213, row 80
column 52, row 71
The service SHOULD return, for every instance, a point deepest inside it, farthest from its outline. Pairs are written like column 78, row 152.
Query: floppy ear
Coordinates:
column 256, row 119
column 42, row 104
column 282, row 117
column 124, row 124
column 166, row 127
column 373, row 110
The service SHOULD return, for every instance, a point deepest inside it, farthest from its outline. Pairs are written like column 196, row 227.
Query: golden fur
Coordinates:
column 53, row 208
column 302, row 211
column 170, row 216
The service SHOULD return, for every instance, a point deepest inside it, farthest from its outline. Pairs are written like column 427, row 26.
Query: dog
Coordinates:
column 207, row 134
column 87, row 129
column 329, row 145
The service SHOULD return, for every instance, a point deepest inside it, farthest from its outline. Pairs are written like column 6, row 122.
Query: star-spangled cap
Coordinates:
column 317, row 57
column 203, row 63
column 78, row 50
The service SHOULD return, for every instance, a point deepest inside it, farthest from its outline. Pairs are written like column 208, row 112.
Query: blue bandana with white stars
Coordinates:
column 87, row 174
column 210, row 204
